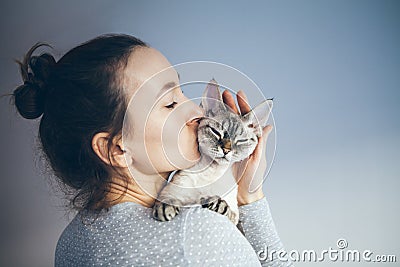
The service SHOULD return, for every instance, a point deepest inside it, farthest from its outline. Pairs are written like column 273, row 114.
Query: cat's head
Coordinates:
column 224, row 135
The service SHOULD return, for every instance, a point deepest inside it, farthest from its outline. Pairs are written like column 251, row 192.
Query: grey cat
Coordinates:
column 224, row 138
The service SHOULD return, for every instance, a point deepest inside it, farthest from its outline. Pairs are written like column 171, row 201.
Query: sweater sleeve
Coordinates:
column 260, row 231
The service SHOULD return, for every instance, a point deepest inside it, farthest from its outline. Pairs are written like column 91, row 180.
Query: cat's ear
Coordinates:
column 211, row 101
column 258, row 116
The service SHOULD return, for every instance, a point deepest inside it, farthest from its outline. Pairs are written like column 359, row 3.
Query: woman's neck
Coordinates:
column 142, row 189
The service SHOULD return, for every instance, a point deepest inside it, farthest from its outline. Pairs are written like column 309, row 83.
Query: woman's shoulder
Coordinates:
column 125, row 229
column 202, row 226
column 212, row 239
column 129, row 229
column 138, row 218
column 132, row 221
column 202, row 217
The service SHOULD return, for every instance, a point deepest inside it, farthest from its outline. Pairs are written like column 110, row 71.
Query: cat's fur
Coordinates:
column 224, row 137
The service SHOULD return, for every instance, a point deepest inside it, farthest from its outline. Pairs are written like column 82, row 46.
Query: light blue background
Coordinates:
column 332, row 66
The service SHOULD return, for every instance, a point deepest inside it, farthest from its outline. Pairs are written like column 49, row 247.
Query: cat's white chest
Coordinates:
column 210, row 182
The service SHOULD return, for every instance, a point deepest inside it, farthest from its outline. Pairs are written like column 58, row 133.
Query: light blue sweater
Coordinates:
column 127, row 235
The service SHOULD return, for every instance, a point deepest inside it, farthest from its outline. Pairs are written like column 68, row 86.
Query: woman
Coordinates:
column 82, row 99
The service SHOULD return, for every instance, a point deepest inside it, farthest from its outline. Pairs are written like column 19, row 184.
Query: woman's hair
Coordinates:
column 77, row 97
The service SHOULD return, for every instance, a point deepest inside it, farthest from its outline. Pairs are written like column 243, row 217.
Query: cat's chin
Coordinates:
column 222, row 161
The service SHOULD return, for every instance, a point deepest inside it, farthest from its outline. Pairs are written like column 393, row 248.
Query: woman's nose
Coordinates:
column 196, row 113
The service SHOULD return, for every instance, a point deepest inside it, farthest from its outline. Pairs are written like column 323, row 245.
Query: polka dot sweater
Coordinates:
column 127, row 235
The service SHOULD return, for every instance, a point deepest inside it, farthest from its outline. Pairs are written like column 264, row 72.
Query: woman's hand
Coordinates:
column 249, row 173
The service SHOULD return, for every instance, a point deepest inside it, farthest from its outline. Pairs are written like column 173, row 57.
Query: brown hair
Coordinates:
column 77, row 97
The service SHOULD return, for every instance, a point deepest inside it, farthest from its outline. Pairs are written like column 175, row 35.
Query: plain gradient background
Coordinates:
column 332, row 66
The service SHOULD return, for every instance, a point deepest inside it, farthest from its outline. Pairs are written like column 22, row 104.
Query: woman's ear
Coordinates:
column 116, row 152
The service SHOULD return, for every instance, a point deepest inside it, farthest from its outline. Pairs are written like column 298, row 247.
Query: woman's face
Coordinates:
column 160, row 128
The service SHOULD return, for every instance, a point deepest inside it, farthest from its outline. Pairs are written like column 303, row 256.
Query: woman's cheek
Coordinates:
column 188, row 144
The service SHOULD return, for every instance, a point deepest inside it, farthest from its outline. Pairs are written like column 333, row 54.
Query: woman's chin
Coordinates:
column 195, row 157
column 192, row 158
column 189, row 150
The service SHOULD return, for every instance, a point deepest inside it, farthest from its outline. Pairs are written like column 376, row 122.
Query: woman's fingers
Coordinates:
column 241, row 99
column 229, row 100
column 259, row 151
column 259, row 158
column 243, row 102
column 266, row 131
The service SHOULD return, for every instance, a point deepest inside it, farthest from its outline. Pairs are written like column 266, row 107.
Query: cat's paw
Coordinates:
column 165, row 211
column 217, row 204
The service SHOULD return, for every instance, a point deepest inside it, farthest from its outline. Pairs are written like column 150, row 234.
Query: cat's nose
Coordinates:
column 226, row 148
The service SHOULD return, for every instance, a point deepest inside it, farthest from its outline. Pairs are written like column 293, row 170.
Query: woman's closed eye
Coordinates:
column 172, row 105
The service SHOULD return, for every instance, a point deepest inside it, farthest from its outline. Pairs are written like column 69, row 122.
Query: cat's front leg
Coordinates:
column 166, row 210
column 217, row 204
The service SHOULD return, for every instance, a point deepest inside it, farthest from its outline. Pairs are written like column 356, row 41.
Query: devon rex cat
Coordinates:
column 224, row 138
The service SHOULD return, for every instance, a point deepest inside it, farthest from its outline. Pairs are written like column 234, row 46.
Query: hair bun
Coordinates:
column 30, row 98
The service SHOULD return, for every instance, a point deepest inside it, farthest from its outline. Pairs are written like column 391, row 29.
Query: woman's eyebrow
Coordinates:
column 166, row 87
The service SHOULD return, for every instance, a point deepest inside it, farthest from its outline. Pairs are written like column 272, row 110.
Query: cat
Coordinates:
column 224, row 138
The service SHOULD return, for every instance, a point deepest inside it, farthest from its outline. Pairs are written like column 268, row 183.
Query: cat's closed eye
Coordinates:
column 215, row 132
column 241, row 141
